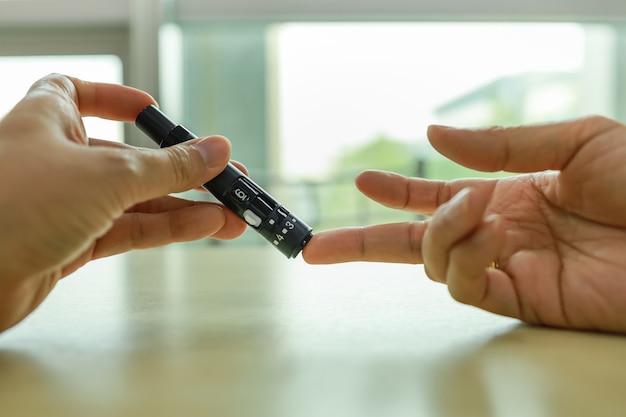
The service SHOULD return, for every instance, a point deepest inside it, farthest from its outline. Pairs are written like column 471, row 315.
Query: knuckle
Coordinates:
column 466, row 295
column 459, row 294
column 444, row 193
column 182, row 167
column 590, row 126
column 430, row 275
column 459, row 278
column 435, row 272
column 598, row 119
column 133, row 176
column 441, row 226
column 415, row 233
column 466, row 289
column 123, row 164
column 123, row 173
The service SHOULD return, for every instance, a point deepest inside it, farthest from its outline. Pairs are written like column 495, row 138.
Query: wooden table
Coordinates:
column 203, row 331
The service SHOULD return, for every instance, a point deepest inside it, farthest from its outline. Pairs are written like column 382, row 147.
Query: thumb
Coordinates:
column 178, row 168
column 529, row 148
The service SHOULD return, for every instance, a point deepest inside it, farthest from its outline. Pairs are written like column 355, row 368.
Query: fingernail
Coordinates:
column 214, row 150
column 443, row 127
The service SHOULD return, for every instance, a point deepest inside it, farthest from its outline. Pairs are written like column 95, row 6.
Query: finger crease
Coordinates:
column 175, row 226
column 361, row 241
column 414, row 242
column 137, row 231
column 407, row 194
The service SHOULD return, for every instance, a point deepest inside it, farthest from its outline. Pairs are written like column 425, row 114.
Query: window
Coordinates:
column 309, row 105
column 343, row 86
column 19, row 72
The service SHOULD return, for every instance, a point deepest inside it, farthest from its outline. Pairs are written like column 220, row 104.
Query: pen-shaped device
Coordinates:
column 235, row 190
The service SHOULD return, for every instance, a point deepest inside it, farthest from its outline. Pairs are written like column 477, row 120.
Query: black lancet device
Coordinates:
column 235, row 190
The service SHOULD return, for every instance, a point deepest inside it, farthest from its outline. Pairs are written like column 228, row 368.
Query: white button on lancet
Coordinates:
column 251, row 218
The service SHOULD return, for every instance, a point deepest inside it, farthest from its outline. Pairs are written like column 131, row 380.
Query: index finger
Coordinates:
column 418, row 195
column 109, row 101
column 395, row 242
column 62, row 99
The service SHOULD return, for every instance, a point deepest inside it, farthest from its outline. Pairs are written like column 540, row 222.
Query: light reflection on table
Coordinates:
column 195, row 331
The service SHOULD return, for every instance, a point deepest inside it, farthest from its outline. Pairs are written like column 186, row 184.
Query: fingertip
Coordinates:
column 362, row 179
column 376, row 183
column 366, row 176
column 219, row 222
column 232, row 228
column 213, row 220
column 312, row 253
column 240, row 166
column 330, row 247
column 110, row 101
column 435, row 133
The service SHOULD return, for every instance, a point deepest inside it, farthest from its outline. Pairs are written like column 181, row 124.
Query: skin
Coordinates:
column 66, row 199
column 558, row 229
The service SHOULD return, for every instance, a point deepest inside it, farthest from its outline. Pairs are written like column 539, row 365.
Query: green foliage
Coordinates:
column 381, row 153
column 441, row 168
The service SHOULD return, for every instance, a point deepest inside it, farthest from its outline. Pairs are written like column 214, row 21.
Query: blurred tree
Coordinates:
column 342, row 203
column 382, row 153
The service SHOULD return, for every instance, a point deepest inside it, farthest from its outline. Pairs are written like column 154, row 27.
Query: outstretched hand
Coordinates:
column 557, row 232
column 66, row 199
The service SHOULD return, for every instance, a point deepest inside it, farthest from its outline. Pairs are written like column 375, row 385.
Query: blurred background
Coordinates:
column 313, row 92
